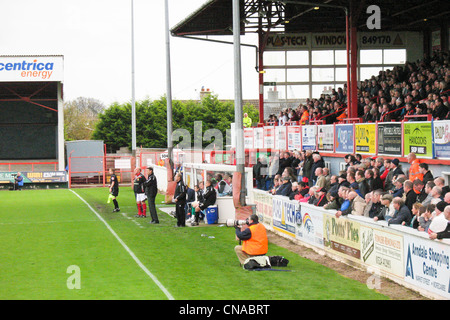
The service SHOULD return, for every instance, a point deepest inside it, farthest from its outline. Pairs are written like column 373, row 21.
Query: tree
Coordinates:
column 114, row 126
column 81, row 117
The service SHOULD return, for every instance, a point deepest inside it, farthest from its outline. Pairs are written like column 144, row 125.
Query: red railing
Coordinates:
column 427, row 116
column 98, row 176
column 341, row 109
column 351, row 120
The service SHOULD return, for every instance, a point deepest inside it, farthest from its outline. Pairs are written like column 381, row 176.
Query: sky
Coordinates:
column 94, row 36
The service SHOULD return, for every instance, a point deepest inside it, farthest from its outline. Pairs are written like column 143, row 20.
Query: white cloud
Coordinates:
column 95, row 39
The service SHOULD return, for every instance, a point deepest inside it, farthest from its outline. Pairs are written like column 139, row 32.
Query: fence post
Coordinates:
column 70, row 170
column 104, row 165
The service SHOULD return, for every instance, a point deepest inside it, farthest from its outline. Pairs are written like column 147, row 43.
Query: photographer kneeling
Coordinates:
column 254, row 239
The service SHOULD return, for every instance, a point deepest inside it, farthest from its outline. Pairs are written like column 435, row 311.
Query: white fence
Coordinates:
column 196, row 172
column 400, row 253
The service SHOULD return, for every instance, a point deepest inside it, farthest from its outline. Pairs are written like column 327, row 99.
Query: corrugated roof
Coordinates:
column 215, row 16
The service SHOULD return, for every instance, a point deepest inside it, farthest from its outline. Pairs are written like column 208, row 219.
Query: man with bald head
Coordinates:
column 321, row 181
column 440, row 182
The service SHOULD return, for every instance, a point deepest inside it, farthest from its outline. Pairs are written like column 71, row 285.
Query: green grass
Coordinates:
column 43, row 232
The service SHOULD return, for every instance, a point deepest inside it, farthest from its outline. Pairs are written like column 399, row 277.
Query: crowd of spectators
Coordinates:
column 418, row 88
column 377, row 188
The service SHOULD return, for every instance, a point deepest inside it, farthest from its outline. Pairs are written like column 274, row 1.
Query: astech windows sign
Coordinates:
column 31, row 68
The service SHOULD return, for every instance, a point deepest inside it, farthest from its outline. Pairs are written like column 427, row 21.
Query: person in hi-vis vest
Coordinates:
column 254, row 240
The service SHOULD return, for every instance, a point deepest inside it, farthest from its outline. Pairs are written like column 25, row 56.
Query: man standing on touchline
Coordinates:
column 179, row 198
column 151, row 190
column 114, row 189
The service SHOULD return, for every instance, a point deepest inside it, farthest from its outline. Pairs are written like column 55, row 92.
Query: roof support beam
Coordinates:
column 28, row 98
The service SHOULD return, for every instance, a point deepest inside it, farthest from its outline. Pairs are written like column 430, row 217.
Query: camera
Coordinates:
column 13, row 174
column 236, row 223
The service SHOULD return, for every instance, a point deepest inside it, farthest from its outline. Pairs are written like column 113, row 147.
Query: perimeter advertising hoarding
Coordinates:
column 441, row 135
column 427, row 265
column 365, row 138
column 382, row 249
column 284, row 215
column 390, row 139
column 258, row 138
column 418, row 138
column 264, row 204
column 325, row 136
column 397, row 252
column 309, row 137
column 294, row 138
column 301, row 222
column 280, row 138
column 269, row 137
column 309, row 225
column 35, row 177
column 342, row 236
column 344, row 138
column 248, row 138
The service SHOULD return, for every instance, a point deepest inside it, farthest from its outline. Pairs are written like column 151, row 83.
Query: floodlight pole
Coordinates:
column 238, row 110
column 169, row 86
column 133, row 102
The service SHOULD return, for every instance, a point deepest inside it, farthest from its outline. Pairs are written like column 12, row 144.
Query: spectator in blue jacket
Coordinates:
column 399, row 190
column 345, row 202
column 402, row 212
column 286, row 188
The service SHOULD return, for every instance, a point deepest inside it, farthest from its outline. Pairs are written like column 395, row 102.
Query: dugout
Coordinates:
column 31, row 114
column 306, row 48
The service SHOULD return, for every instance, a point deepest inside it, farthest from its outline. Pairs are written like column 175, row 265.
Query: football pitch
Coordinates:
column 69, row 245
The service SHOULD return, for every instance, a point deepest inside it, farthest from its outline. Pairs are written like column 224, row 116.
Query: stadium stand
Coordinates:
column 416, row 91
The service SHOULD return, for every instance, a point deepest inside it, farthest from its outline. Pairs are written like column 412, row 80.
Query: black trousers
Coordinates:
column 200, row 213
column 180, row 213
column 152, row 208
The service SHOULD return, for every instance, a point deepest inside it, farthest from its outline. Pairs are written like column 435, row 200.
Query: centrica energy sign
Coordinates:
column 37, row 68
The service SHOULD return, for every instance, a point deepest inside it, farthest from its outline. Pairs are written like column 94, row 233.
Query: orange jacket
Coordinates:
column 258, row 243
column 342, row 116
column 305, row 117
column 414, row 172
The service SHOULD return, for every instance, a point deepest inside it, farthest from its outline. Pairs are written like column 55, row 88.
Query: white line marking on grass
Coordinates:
column 44, row 222
column 163, row 289
column 135, row 222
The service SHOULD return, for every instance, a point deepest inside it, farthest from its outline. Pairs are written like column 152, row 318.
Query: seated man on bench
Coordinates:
column 209, row 199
